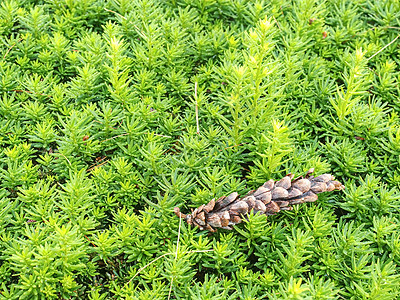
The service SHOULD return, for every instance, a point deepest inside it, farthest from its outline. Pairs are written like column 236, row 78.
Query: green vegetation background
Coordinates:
column 99, row 143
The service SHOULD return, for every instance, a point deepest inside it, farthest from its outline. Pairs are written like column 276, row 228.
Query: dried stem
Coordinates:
column 383, row 48
column 65, row 158
column 176, row 257
column 30, row 92
column 161, row 256
column 123, row 134
column 141, row 33
column 97, row 166
column 9, row 49
column 197, row 108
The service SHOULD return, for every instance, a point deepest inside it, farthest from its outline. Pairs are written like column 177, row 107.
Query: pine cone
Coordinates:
column 269, row 199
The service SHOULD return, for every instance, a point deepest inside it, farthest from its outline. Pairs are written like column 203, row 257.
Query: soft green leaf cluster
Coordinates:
column 100, row 140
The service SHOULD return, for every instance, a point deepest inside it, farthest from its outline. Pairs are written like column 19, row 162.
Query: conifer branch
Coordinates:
column 268, row 199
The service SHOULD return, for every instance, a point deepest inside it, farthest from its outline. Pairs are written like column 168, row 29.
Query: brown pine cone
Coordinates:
column 269, row 199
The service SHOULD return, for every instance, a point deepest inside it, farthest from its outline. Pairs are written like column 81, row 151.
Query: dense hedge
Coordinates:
column 100, row 141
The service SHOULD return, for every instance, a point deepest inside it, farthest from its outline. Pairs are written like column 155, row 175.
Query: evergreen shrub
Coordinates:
column 113, row 112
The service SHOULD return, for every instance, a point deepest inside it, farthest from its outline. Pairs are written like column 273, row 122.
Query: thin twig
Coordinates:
column 177, row 242
column 150, row 263
column 176, row 257
column 157, row 134
column 277, row 23
column 374, row 28
column 30, row 92
column 165, row 254
column 137, row 28
column 65, row 158
column 114, row 137
column 123, row 134
column 94, row 245
column 384, row 47
column 9, row 49
column 115, row 13
column 241, row 144
column 170, row 288
column 197, row 108
column 97, row 166
column 96, row 163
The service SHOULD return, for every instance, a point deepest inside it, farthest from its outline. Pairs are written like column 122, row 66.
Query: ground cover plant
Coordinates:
column 113, row 112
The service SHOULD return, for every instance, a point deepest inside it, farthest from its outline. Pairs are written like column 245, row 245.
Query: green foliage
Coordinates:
column 101, row 140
